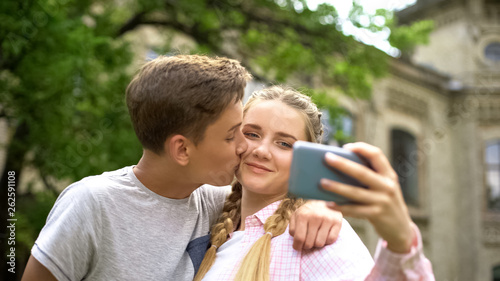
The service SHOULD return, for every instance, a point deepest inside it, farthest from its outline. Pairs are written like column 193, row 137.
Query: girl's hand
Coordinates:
column 382, row 203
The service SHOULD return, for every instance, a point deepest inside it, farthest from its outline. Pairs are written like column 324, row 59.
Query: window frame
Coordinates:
column 487, row 144
column 418, row 203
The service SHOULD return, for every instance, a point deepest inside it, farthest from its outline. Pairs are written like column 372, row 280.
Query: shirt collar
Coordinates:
column 263, row 214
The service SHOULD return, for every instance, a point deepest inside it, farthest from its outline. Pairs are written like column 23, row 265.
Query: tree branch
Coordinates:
column 132, row 23
column 47, row 184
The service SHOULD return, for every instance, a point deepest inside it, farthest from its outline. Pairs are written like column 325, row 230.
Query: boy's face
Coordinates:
column 215, row 159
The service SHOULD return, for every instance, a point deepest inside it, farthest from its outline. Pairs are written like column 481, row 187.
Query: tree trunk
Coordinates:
column 16, row 150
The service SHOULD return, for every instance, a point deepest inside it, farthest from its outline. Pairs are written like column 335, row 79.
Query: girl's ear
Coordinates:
column 178, row 147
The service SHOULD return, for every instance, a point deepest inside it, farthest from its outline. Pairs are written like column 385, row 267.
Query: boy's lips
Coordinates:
column 257, row 168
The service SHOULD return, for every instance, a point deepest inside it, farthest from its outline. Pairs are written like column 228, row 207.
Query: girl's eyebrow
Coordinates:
column 285, row 135
column 253, row 126
column 281, row 134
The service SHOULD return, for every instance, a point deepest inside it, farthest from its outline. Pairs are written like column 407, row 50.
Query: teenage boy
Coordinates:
column 151, row 221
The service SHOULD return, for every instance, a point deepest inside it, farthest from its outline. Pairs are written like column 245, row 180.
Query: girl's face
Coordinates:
column 270, row 129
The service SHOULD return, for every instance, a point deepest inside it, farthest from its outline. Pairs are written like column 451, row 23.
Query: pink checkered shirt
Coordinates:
column 346, row 259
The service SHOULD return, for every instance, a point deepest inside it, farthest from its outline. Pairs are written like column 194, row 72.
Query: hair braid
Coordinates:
column 255, row 265
column 221, row 230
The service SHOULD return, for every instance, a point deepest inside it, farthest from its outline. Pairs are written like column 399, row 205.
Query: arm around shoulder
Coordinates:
column 35, row 271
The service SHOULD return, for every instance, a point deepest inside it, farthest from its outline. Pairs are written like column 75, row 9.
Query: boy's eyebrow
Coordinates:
column 234, row 127
column 281, row 134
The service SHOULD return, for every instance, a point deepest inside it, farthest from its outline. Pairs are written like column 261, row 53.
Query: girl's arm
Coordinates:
column 382, row 204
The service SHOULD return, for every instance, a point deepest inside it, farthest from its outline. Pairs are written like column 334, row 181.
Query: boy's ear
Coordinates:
column 178, row 147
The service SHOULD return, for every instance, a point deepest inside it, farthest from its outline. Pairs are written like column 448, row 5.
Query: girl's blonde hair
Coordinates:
column 255, row 265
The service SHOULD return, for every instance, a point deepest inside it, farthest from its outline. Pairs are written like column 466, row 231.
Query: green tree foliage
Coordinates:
column 63, row 72
column 61, row 92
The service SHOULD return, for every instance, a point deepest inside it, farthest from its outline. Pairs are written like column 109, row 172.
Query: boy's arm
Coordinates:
column 66, row 244
column 314, row 225
column 35, row 271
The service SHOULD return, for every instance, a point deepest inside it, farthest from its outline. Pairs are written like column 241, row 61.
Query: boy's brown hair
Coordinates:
column 182, row 95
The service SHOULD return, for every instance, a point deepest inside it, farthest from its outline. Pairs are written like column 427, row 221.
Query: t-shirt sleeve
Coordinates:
column 67, row 242
column 214, row 197
column 346, row 259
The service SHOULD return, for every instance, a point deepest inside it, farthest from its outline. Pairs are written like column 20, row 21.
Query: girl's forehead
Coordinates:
column 272, row 107
column 275, row 116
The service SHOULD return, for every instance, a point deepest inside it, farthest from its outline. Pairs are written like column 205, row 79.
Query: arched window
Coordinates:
column 496, row 273
column 404, row 159
column 492, row 51
column 492, row 157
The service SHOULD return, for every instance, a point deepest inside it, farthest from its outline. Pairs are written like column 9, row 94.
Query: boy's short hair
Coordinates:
column 182, row 95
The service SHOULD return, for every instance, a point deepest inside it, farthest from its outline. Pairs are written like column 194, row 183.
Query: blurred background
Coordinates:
column 420, row 79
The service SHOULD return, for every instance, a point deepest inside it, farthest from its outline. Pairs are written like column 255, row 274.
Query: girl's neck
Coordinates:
column 251, row 203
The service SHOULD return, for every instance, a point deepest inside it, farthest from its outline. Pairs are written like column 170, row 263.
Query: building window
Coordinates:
column 492, row 51
column 404, row 159
column 492, row 157
column 496, row 273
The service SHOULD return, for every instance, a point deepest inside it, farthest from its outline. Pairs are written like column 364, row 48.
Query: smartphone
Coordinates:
column 309, row 167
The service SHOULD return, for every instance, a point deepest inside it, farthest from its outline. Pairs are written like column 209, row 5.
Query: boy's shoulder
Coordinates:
column 100, row 184
column 116, row 177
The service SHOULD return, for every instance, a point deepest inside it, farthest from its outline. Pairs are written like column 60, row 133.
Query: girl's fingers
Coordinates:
column 357, row 211
column 374, row 156
column 357, row 194
column 363, row 174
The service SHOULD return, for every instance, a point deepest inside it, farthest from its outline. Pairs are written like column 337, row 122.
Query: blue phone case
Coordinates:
column 309, row 167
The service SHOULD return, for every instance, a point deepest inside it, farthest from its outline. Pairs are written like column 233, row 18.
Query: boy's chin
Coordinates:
column 223, row 182
column 220, row 178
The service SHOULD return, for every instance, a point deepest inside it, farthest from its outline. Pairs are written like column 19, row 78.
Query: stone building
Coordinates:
column 437, row 116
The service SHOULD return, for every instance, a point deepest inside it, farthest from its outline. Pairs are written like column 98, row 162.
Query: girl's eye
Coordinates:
column 285, row 144
column 251, row 135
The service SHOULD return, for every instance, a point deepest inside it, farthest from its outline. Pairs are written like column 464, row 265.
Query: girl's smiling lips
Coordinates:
column 257, row 168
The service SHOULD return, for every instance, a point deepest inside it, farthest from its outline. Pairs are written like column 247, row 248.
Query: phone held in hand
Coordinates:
column 309, row 167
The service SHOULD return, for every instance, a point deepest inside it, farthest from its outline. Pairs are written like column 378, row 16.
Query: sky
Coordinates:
column 378, row 40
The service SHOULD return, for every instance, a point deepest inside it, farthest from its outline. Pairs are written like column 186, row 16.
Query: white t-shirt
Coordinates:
column 111, row 227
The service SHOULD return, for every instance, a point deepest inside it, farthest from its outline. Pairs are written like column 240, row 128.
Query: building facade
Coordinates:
column 437, row 117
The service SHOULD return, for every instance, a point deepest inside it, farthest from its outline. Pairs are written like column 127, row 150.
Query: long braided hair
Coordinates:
column 255, row 265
